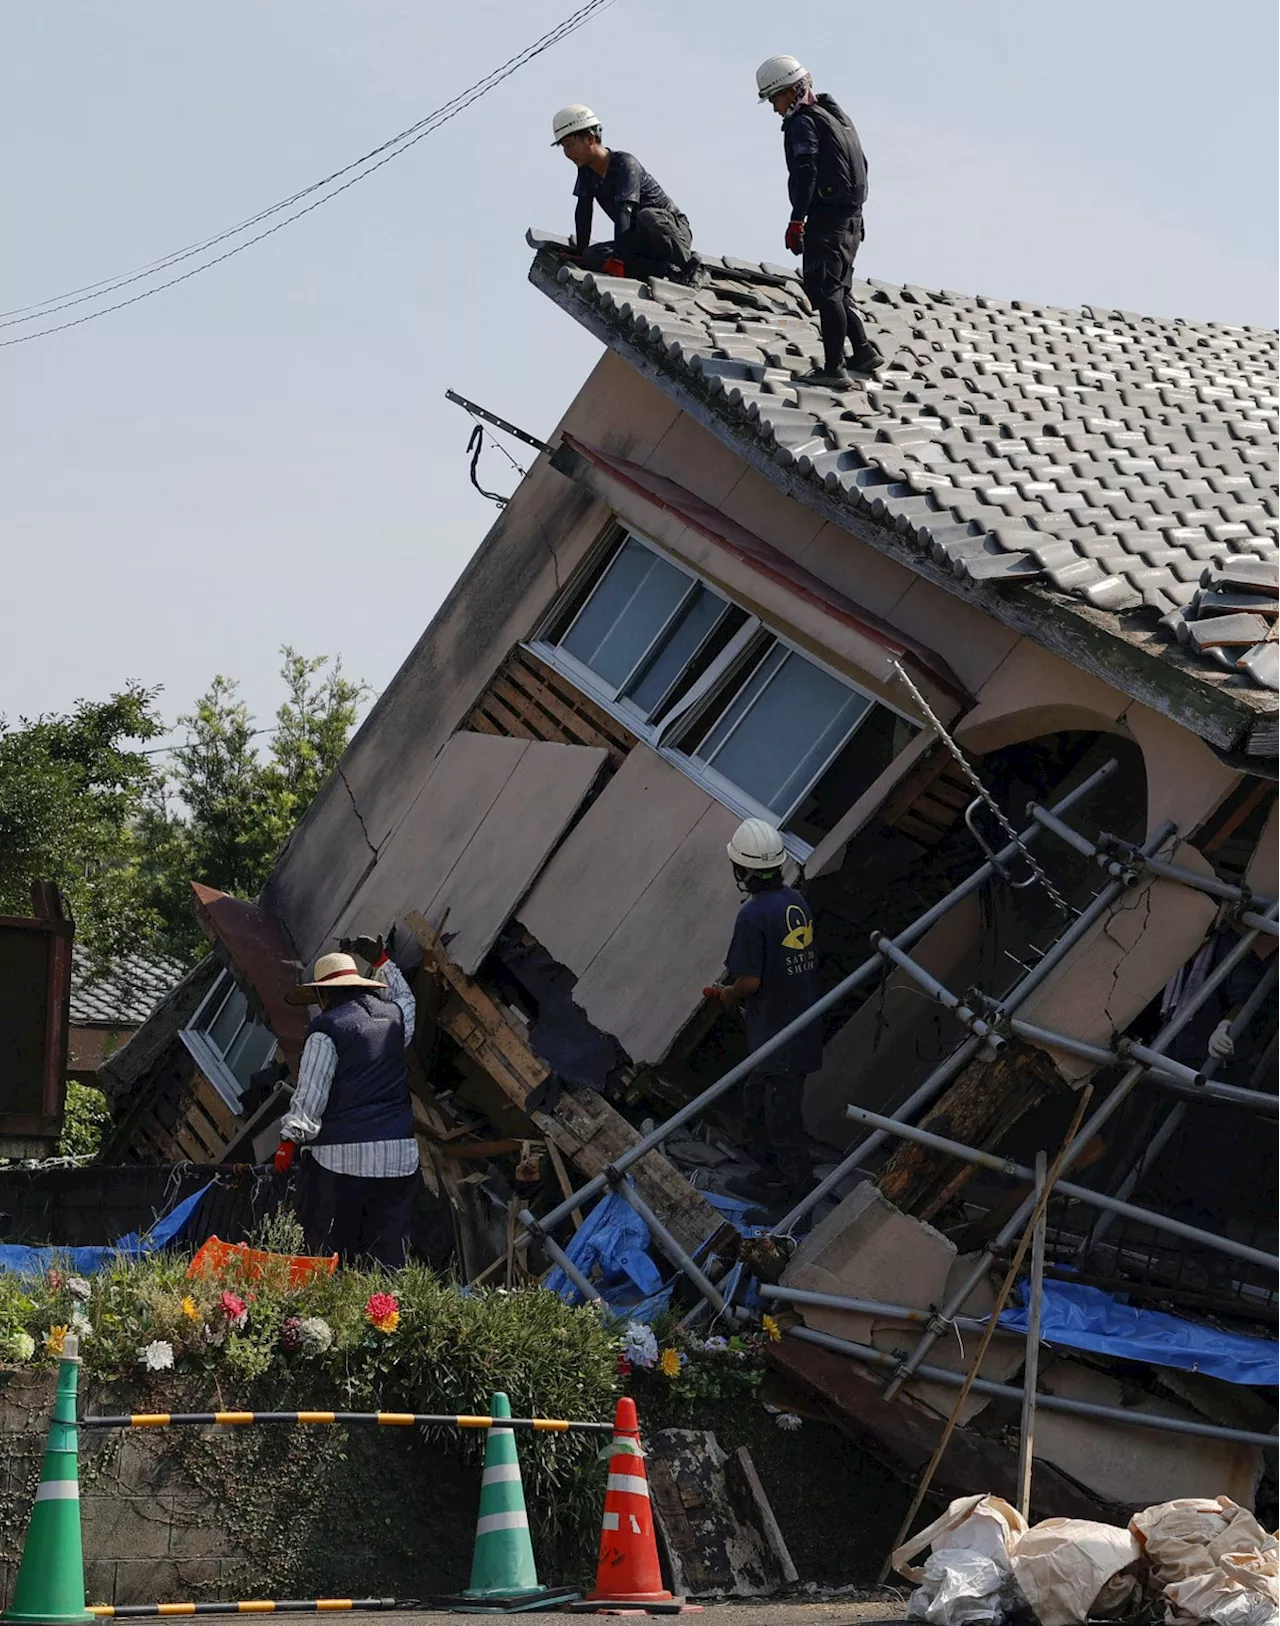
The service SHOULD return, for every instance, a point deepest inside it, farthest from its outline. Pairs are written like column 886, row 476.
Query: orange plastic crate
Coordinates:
column 216, row 1256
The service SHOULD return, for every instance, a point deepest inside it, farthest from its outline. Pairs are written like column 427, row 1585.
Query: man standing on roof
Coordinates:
column 827, row 180
column 351, row 1110
column 652, row 238
column 771, row 972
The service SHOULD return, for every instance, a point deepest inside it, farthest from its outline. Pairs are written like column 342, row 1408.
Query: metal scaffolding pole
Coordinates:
column 1164, row 1134
column 864, row 973
column 1133, row 862
column 924, row 1093
column 1045, row 1402
column 871, row 1307
column 674, row 1252
column 949, row 1001
column 1086, row 1133
column 1081, row 1194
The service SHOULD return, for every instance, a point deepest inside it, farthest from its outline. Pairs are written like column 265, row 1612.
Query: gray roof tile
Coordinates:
column 1112, row 455
column 123, row 994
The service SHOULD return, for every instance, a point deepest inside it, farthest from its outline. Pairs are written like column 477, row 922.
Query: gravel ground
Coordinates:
column 857, row 1607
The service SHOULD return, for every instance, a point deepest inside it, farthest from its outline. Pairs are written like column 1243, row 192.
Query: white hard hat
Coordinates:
column 776, row 73
column 569, row 120
column 756, row 845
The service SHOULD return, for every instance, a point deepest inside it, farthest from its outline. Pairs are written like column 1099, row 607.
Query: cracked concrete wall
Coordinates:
column 538, row 540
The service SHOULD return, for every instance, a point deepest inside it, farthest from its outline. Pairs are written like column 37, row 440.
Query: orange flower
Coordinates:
column 53, row 1339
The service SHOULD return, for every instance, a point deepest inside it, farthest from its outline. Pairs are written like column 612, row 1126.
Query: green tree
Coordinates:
column 226, row 809
column 73, row 794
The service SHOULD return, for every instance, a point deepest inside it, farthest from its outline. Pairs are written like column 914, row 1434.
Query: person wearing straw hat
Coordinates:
column 351, row 1111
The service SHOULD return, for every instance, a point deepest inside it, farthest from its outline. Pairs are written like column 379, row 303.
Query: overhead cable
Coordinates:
column 357, row 170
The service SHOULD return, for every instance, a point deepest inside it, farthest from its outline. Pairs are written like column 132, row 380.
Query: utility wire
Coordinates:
column 365, row 166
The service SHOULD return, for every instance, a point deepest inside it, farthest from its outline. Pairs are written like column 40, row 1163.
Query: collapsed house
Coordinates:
column 1027, row 579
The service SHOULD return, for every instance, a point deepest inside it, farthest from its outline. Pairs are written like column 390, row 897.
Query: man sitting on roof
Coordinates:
column 652, row 238
column 827, row 183
column 352, row 1111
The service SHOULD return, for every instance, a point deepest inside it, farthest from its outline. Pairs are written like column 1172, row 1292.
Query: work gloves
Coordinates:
column 795, row 237
column 372, row 949
column 285, row 1154
column 1221, row 1045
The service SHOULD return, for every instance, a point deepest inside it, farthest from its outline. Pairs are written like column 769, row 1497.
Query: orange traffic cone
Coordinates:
column 628, row 1572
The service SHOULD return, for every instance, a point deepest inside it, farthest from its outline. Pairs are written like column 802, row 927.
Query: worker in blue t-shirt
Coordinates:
column 771, row 972
column 651, row 236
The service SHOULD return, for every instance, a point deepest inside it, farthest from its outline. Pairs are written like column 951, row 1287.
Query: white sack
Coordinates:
column 968, row 1578
column 1062, row 1565
column 1243, row 1589
column 1187, row 1536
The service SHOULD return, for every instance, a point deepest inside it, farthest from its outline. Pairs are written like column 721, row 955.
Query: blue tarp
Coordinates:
column 614, row 1238
column 20, row 1261
column 1080, row 1317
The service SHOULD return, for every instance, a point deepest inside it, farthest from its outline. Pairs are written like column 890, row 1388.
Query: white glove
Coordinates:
column 1221, row 1045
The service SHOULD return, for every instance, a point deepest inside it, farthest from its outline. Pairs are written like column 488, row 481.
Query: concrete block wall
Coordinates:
column 150, row 1535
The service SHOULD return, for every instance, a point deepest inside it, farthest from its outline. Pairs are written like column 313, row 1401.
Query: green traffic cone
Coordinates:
column 504, row 1577
column 50, row 1589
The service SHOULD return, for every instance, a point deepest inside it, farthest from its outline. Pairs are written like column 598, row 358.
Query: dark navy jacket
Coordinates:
column 369, row 1096
column 826, row 167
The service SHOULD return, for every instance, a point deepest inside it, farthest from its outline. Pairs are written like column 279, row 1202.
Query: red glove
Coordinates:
column 613, row 267
column 714, row 992
column 285, row 1153
column 795, row 237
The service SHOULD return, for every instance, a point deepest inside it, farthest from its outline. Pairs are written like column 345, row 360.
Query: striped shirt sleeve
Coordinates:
column 315, row 1076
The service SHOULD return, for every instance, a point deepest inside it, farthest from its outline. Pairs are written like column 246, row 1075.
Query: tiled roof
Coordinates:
column 123, row 994
column 1129, row 462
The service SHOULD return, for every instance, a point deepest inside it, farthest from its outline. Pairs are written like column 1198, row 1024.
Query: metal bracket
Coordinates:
column 992, row 857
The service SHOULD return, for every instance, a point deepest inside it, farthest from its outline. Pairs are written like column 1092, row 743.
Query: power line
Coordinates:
column 392, row 148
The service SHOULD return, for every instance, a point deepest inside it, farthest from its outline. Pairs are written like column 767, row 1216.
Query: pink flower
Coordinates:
column 234, row 1308
column 381, row 1308
column 54, row 1279
column 624, row 1367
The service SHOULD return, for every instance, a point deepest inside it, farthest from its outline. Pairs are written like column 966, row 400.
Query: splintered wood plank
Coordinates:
column 583, row 1124
column 594, row 1135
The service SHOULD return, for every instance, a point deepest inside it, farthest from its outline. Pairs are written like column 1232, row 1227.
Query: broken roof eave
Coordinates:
column 1233, row 720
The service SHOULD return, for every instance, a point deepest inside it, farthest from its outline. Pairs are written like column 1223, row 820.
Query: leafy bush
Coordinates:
column 85, row 1121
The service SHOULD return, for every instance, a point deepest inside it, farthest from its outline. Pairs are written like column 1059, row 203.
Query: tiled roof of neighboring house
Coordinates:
column 1122, row 462
column 123, row 994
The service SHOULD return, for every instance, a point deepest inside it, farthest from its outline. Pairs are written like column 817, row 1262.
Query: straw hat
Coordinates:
column 332, row 971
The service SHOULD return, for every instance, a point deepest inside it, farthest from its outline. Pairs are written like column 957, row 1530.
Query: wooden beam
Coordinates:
column 581, row 1123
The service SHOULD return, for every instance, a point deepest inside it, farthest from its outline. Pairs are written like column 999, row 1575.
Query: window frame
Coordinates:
column 732, row 668
column 211, row 1061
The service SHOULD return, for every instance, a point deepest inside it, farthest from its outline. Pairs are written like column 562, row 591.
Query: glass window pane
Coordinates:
column 250, row 1050
column 625, row 613
column 681, row 645
column 226, row 1024
column 775, row 748
column 880, row 737
column 737, row 707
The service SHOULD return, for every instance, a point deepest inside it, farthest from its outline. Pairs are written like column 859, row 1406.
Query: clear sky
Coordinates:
column 264, row 454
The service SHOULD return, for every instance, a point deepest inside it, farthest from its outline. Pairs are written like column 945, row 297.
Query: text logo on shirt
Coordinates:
column 799, row 928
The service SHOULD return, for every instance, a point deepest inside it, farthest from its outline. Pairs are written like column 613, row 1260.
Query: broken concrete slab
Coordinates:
column 868, row 1249
column 1134, row 1467
column 721, row 1536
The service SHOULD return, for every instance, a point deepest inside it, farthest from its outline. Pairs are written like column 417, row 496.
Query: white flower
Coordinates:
column 81, row 1325
column 79, row 1287
column 157, row 1356
column 716, row 1346
column 788, row 1420
column 641, row 1347
column 17, row 1346
column 315, row 1335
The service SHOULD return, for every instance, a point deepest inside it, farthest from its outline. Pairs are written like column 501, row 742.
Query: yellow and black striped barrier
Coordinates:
column 251, row 1606
column 388, row 1419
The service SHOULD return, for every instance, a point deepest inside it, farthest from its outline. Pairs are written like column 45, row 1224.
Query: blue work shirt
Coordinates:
column 625, row 181
column 773, row 940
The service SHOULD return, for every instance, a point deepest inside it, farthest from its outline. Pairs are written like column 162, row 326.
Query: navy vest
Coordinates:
column 369, row 1096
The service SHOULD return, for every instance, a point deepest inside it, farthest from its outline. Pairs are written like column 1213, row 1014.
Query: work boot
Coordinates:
column 866, row 361
column 821, row 379
column 695, row 275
